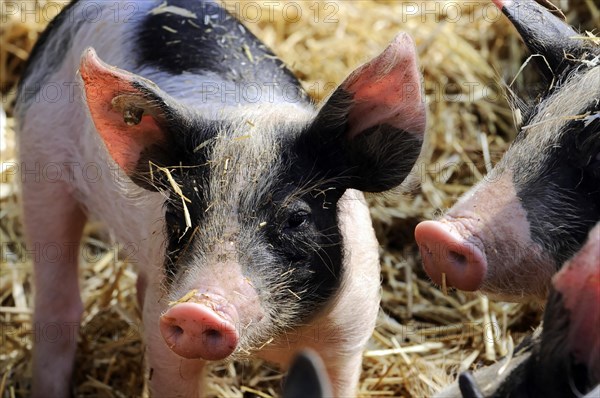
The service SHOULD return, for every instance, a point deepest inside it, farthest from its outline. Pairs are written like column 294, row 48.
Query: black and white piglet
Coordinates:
column 242, row 198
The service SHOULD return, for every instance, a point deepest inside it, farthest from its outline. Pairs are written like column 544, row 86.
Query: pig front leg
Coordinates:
column 169, row 374
column 347, row 334
column 344, row 372
column 53, row 229
column 354, row 314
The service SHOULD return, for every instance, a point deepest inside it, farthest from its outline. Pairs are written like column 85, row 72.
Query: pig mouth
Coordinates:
column 451, row 254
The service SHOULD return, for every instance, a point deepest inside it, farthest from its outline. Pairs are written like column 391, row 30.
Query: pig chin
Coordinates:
column 519, row 281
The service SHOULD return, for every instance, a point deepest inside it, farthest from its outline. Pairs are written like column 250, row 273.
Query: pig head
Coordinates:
column 253, row 238
column 510, row 233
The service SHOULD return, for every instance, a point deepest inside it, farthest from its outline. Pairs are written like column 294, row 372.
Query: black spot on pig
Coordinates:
column 181, row 160
column 305, row 236
column 210, row 40
column 563, row 200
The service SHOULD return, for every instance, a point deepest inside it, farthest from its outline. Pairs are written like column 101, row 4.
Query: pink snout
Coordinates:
column 444, row 251
column 196, row 331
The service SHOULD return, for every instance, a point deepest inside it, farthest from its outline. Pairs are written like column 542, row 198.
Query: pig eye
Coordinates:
column 297, row 219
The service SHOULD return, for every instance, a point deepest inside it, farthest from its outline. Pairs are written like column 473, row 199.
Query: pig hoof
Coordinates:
column 195, row 331
column 444, row 252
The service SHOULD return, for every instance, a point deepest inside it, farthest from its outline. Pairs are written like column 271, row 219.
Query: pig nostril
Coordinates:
column 426, row 249
column 212, row 335
column 177, row 330
column 457, row 258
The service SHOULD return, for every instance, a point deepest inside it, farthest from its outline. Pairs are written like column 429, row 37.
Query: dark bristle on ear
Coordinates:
column 307, row 377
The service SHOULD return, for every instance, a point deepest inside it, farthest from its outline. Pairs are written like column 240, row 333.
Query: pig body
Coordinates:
column 562, row 358
column 511, row 232
column 240, row 198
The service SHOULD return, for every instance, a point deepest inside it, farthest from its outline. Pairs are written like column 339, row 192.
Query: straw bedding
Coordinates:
column 424, row 335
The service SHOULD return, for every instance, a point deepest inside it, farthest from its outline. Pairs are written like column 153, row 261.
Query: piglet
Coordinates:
column 241, row 200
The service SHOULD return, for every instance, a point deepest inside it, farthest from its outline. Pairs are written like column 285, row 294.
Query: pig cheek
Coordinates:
column 523, row 270
column 516, row 264
column 518, row 270
column 518, row 281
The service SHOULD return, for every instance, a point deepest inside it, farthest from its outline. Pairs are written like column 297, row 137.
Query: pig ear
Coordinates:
column 307, row 377
column 370, row 131
column 468, row 386
column 544, row 34
column 578, row 284
column 130, row 113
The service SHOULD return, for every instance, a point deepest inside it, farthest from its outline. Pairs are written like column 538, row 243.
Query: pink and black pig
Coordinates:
column 242, row 198
column 511, row 232
column 562, row 358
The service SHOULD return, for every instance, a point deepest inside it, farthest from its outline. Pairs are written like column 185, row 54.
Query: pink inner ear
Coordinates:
column 387, row 90
column 102, row 84
column 579, row 283
column 502, row 3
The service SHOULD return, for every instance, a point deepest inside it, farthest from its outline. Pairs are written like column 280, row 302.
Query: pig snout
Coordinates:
column 201, row 329
column 447, row 254
column 484, row 242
